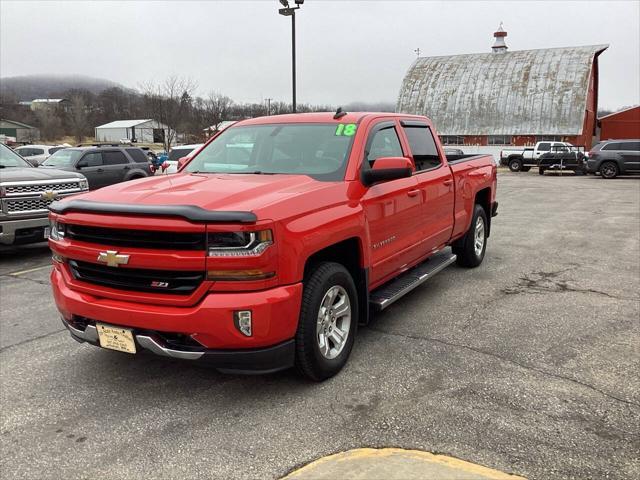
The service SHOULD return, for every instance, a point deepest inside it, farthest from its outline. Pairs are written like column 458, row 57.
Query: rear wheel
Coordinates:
column 470, row 249
column 609, row 170
column 515, row 165
column 327, row 324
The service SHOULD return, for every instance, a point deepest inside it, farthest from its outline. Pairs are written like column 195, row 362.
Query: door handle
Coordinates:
column 448, row 182
column 413, row 193
column 127, row 168
column 100, row 170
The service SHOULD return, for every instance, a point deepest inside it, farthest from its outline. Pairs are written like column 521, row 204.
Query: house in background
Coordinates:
column 49, row 104
column 489, row 100
column 621, row 125
column 22, row 132
column 213, row 129
column 140, row 131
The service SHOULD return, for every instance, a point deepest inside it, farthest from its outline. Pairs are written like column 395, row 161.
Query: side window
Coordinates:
column 25, row 152
column 544, row 147
column 137, row 155
column 114, row 158
column 384, row 143
column 611, row 146
column 37, row 151
column 91, row 160
column 630, row 146
column 423, row 147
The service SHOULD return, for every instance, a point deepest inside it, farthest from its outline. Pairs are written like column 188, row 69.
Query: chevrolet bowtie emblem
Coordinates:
column 49, row 195
column 112, row 259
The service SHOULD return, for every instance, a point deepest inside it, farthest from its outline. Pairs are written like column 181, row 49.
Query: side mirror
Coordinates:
column 387, row 168
column 182, row 161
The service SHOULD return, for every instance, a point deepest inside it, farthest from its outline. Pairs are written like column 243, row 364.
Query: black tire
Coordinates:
column 309, row 361
column 465, row 247
column 608, row 170
column 540, row 171
column 526, row 169
column 515, row 164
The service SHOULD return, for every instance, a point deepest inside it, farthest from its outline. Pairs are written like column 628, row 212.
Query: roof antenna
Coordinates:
column 339, row 114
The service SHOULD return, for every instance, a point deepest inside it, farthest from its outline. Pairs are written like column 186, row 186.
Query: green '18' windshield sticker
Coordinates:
column 346, row 129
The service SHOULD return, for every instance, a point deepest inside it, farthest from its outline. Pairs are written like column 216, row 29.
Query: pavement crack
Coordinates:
column 41, row 282
column 508, row 360
column 29, row 340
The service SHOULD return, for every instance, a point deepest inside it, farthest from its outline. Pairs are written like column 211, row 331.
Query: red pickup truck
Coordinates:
column 272, row 243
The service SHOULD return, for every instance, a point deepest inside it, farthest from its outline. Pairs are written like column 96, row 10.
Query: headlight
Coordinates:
column 84, row 184
column 57, row 230
column 238, row 244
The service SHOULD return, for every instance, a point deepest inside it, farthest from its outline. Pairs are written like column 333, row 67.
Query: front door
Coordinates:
column 630, row 153
column 92, row 167
column 392, row 208
column 435, row 182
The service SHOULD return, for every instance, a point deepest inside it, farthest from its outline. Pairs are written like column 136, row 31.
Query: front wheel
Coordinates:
column 609, row 170
column 470, row 249
column 327, row 323
column 515, row 165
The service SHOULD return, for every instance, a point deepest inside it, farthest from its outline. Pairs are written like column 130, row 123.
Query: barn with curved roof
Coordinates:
column 507, row 98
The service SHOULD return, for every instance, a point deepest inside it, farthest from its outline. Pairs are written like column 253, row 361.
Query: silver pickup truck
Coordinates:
column 25, row 195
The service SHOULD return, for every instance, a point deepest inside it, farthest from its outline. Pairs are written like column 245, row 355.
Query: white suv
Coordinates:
column 36, row 154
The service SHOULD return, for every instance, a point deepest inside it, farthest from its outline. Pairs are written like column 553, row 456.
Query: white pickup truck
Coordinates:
column 521, row 160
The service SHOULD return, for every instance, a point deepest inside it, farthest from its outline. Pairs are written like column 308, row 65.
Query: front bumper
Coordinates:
column 18, row 231
column 209, row 324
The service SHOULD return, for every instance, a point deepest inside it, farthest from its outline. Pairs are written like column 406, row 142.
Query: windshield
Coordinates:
column 63, row 158
column 317, row 150
column 8, row 158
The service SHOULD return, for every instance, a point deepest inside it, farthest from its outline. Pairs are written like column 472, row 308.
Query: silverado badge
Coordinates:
column 49, row 195
column 112, row 259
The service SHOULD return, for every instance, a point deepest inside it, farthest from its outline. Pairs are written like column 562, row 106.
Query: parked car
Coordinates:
column 25, row 195
column 522, row 159
column 563, row 158
column 272, row 262
column 36, row 154
column 103, row 165
column 614, row 157
column 452, row 151
column 178, row 152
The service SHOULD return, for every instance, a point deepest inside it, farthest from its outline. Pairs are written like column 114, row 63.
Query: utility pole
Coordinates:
column 268, row 105
column 289, row 11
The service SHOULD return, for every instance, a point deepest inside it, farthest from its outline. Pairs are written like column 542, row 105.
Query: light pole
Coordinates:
column 289, row 11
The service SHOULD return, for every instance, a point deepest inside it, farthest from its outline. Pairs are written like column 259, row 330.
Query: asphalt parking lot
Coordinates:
column 528, row 364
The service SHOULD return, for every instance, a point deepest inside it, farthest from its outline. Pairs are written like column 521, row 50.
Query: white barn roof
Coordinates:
column 513, row 93
column 124, row 123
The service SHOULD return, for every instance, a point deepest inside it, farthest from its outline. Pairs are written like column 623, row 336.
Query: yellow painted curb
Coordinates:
column 453, row 465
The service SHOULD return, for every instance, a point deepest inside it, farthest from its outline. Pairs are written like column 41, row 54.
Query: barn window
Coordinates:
column 452, row 139
column 548, row 138
column 499, row 140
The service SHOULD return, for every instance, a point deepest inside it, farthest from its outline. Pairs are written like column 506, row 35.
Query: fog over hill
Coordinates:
column 28, row 87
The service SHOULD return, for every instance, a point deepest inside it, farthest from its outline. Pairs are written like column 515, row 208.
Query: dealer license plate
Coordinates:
column 116, row 338
column 47, row 232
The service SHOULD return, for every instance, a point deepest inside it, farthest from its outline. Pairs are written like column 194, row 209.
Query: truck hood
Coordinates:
column 26, row 174
column 216, row 192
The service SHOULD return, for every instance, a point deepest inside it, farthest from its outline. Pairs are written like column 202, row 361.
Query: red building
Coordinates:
column 620, row 125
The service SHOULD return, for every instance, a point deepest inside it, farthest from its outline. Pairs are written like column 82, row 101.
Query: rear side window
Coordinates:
column 114, row 158
column 137, row 155
column 54, row 150
column 385, row 143
column 630, row 146
column 177, row 153
column 544, row 147
column 423, row 147
column 611, row 146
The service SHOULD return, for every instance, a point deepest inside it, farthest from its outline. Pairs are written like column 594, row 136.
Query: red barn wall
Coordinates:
column 625, row 124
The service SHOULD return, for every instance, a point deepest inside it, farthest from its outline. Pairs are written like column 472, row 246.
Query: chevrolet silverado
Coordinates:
column 273, row 243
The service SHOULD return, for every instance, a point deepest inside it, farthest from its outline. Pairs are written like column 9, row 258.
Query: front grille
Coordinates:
column 138, row 279
column 41, row 187
column 137, row 238
column 30, row 205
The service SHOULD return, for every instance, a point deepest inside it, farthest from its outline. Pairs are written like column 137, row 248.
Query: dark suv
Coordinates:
column 615, row 157
column 102, row 165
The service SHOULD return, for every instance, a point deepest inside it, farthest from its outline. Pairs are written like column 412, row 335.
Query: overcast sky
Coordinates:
column 347, row 50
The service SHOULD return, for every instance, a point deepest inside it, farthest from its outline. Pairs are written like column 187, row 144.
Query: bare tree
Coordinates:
column 78, row 117
column 217, row 108
column 168, row 103
column 49, row 122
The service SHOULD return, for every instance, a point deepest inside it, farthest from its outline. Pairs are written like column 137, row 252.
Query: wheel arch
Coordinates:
column 350, row 254
column 483, row 198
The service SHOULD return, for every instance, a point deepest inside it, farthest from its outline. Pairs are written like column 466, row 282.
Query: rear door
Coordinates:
column 116, row 166
column 393, row 209
column 630, row 153
column 435, row 182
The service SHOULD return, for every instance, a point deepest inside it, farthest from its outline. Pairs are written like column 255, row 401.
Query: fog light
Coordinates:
column 242, row 321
